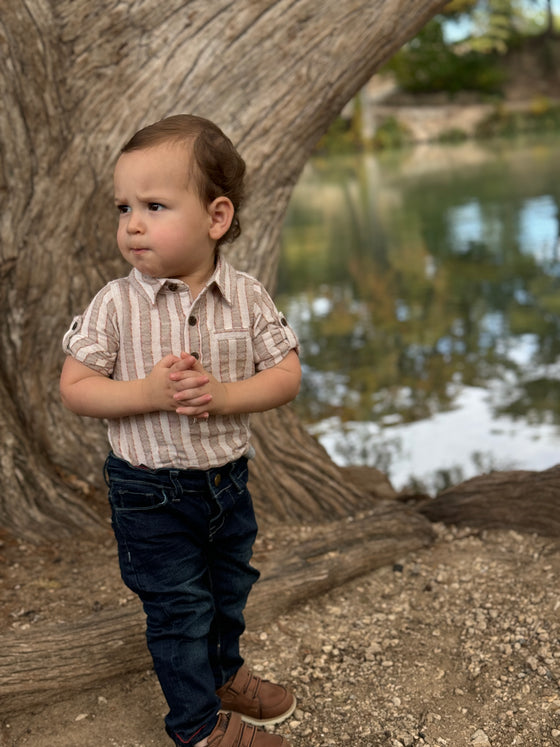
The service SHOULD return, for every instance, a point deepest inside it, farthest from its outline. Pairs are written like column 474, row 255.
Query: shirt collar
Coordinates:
column 222, row 278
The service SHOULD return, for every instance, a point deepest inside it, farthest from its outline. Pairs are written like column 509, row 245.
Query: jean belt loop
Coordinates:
column 175, row 483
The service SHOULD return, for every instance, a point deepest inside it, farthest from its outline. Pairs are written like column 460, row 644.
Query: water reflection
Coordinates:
column 424, row 288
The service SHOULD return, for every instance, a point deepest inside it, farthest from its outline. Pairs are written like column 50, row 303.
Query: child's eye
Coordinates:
column 123, row 209
column 155, row 206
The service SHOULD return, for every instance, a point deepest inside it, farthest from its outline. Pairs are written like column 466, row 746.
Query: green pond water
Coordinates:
column 425, row 288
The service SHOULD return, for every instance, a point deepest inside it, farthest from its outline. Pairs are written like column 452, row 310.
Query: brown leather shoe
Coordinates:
column 256, row 701
column 230, row 731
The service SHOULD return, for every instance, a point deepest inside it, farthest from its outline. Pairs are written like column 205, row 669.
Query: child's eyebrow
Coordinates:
column 147, row 197
column 144, row 198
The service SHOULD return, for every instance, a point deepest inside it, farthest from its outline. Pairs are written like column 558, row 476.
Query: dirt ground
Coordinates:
column 455, row 645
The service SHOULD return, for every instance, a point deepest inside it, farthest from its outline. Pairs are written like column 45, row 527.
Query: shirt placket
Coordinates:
column 192, row 334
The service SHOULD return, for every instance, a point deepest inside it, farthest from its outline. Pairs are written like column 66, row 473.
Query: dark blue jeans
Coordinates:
column 185, row 541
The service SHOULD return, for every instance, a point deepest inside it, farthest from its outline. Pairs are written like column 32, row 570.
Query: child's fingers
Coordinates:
column 191, row 404
column 188, row 380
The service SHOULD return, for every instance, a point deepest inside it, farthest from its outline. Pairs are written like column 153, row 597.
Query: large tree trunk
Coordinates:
column 77, row 80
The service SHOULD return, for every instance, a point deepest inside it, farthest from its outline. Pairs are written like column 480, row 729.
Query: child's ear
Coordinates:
column 221, row 212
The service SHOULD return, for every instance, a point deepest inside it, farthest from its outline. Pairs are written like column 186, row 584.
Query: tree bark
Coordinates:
column 42, row 663
column 77, row 80
column 523, row 500
column 285, row 483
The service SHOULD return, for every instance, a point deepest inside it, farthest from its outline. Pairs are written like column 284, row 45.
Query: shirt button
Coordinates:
column 195, row 355
column 172, row 287
column 217, row 480
column 284, row 321
column 192, row 320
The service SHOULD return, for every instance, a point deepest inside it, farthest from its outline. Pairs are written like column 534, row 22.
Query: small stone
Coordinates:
column 407, row 740
column 480, row 739
column 532, row 662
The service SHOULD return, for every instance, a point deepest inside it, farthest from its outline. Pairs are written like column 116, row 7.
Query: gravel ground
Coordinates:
column 455, row 645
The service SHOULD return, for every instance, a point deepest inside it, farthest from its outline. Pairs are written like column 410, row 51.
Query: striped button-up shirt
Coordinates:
column 234, row 329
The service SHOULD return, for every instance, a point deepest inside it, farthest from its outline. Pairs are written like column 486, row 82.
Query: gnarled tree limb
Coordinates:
column 42, row 663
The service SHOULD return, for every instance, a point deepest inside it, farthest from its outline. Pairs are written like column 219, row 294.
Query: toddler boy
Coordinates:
column 175, row 356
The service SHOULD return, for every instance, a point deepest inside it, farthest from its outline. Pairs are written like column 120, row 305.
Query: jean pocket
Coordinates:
column 137, row 498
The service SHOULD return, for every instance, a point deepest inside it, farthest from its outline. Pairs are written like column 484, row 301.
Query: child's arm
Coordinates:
column 88, row 392
column 265, row 390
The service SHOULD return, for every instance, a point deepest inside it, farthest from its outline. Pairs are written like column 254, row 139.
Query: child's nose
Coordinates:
column 135, row 223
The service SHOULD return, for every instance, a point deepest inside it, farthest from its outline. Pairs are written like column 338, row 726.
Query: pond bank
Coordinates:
column 529, row 92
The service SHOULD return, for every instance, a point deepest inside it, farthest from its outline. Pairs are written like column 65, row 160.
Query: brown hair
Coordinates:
column 218, row 169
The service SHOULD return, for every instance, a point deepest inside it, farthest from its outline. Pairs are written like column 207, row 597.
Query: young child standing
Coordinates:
column 175, row 356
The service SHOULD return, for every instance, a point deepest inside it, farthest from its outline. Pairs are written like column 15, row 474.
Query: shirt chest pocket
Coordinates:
column 232, row 355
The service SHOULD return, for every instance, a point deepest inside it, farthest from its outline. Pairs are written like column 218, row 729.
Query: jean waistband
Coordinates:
column 117, row 464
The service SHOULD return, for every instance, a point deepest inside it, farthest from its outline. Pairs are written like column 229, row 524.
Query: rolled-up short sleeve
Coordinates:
column 92, row 338
column 67, row 339
column 273, row 337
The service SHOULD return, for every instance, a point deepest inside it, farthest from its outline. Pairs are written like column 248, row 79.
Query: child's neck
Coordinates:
column 198, row 281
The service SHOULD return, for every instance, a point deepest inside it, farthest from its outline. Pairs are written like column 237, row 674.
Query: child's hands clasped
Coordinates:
column 197, row 393
column 158, row 388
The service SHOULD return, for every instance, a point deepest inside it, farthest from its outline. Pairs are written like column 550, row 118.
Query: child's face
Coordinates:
column 164, row 229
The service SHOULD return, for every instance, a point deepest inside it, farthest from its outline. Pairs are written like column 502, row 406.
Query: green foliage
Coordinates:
column 454, row 135
column 344, row 134
column 459, row 7
column 428, row 64
column 541, row 116
column 497, row 24
column 391, row 134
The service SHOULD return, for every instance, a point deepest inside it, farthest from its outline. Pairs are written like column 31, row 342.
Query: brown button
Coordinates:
column 217, row 480
column 284, row 321
column 195, row 355
column 173, row 287
column 192, row 320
